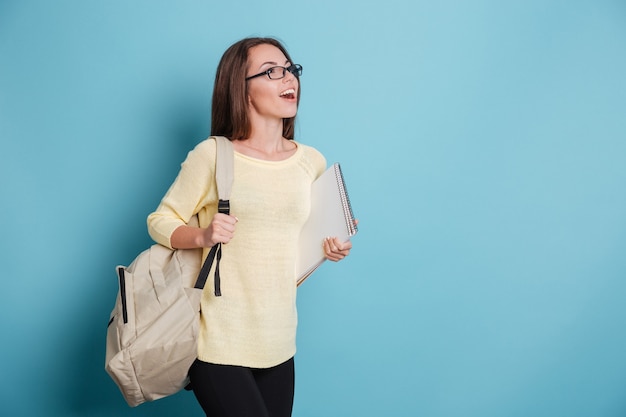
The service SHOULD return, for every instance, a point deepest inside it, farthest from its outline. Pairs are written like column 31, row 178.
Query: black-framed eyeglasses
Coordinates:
column 276, row 73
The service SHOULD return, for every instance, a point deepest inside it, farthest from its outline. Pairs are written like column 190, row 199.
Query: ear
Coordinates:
column 250, row 108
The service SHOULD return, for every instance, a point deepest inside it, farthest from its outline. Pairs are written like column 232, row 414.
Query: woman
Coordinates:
column 247, row 336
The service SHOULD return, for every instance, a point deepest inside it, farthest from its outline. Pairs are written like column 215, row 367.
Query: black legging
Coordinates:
column 235, row 391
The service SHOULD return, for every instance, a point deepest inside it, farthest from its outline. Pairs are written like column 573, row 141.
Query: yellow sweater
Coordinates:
column 253, row 323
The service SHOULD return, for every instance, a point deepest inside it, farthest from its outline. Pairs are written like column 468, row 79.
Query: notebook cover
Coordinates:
column 331, row 216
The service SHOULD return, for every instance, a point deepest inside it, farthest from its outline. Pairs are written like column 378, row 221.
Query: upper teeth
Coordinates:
column 286, row 92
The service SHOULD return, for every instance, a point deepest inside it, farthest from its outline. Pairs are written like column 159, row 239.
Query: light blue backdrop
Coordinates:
column 484, row 145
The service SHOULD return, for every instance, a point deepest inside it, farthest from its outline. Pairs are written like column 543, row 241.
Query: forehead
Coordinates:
column 265, row 54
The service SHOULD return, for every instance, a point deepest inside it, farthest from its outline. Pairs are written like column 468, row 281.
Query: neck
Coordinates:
column 264, row 124
column 266, row 142
column 265, row 134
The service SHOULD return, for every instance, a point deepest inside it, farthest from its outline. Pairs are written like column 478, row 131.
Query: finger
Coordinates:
column 226, row 228
column 331, row 251
column 225, row 218
column 335, row 258
column 331, row 245
column 225, row 223
column 342, row 246
column 327, row 249
column 339, row 246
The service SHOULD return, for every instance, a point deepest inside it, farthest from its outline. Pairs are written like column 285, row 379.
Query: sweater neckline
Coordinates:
column 268, row 162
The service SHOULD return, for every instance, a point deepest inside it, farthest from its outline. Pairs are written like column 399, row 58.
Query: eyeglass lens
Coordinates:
column 276, row 73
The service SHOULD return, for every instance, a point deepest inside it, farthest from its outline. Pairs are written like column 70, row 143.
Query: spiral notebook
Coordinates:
column 331, row 215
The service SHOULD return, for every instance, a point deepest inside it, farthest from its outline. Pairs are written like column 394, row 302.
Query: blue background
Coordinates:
column 484, row 146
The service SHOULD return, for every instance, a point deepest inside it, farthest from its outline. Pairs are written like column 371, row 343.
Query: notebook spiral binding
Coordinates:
column 345, row 201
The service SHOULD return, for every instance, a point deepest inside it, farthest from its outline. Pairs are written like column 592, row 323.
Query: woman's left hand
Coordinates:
column 335, row 249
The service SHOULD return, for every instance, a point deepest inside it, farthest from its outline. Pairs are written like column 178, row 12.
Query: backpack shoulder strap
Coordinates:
column 224, row 168
column 224, row 162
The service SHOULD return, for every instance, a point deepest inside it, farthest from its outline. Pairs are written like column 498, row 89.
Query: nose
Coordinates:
column 289, row 77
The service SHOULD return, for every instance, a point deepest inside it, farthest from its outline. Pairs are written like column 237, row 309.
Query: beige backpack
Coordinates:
column 153, row 329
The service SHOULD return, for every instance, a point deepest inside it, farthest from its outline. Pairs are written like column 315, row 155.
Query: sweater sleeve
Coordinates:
column 193, row 188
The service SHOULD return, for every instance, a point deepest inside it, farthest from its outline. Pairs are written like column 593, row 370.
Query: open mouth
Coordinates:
column 288, row 94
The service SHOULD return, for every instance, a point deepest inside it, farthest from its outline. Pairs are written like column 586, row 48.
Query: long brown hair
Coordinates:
column 229, row 111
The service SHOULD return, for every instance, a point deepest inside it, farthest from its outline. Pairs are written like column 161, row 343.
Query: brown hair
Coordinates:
column 229, row 111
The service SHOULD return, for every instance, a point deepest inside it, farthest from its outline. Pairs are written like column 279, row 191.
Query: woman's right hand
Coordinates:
column 220, row 230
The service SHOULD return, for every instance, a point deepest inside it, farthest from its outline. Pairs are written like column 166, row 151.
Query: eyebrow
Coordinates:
column 273, row 63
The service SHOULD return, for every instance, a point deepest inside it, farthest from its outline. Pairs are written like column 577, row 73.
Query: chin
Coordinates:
column 292, row 113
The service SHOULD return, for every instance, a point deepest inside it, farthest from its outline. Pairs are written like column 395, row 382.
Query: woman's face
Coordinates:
column 273, row 99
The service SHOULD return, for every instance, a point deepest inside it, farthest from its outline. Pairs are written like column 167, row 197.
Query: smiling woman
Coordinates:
column 247, row 340
column 273, row 99
column 229, row 115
